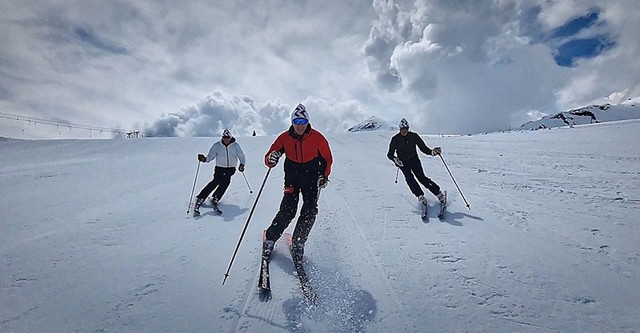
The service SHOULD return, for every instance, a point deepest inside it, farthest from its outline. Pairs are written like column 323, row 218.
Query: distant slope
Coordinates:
column 586, row 115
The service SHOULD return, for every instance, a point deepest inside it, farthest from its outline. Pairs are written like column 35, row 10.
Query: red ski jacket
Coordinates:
column 308, row 153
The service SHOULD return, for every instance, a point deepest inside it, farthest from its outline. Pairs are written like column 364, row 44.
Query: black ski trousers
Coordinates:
column 307, row 185
column 220, row 182
column 414, row 167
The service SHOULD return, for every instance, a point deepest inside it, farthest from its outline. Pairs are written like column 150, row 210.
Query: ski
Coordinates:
column 216, row 210
column 305, row 285
column 443, row 207
column 264, row 285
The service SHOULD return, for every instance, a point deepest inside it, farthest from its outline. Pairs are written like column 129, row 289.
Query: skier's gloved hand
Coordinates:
column 241, row 167
column 322, row 182
column 398, row 162
column 202, row 158
column 274, row 156
column 436, row 151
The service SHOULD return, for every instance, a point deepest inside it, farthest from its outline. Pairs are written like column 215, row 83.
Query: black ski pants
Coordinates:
column 307, row 185
column 414, row 167
column 220, row 182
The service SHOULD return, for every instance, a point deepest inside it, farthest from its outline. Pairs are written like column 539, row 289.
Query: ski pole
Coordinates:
column 226, row 275
column 397, row 171
column 246, row 181
column 454, row 181
column 194, row 187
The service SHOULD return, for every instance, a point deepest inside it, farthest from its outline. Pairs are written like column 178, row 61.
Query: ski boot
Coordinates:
column 196, row 206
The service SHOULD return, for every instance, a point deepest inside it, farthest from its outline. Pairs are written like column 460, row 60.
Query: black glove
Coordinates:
column 398, row 162
column 274, row 156
column 241, row 167
column 436, row 151
column 202, row 158
column 322, row 182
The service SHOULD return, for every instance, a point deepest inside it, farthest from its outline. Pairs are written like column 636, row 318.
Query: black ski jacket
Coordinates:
column 405, row 146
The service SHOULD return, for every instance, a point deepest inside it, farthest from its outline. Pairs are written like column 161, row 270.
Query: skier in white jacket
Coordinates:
column 226, row 152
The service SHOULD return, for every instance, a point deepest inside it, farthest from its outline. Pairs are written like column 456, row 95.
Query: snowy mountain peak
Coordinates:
column 372, row 124
column 586, row 115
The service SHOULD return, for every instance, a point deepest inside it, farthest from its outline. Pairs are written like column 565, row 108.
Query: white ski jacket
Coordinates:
column 226, row 156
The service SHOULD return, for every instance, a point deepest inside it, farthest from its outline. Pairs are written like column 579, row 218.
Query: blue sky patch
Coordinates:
column 575, row 49
column 574, row 26
column 581, row 37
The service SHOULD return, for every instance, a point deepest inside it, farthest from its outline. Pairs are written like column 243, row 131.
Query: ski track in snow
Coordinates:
column 276, row 314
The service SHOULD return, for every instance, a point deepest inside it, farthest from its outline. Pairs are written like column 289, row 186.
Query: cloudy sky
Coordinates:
column 193, row 68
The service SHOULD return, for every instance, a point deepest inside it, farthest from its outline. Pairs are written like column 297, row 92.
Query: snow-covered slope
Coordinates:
column 93, row 238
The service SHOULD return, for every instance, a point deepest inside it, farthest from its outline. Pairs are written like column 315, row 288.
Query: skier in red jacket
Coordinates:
column 306, row 170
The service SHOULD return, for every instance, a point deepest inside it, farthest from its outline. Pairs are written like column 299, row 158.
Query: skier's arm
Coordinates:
column 392, row 150
column 325, row 152
column 423, row 146
column 240, row 154
column 211, row 155
column 278, row 146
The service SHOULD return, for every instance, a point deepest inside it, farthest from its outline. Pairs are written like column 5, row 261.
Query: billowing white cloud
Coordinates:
column 243, row 116
column 475, row 66
column 447, row 66
column 612, row 72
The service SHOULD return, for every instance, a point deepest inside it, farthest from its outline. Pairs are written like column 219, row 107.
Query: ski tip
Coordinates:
column 264, row 295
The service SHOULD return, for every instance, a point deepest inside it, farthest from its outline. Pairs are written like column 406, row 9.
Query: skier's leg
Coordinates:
column 423, row 179
column 207, row 189
column 210, row 186
column 306, row 220
column 286, row 213
column 411, row 181
column 225, row 180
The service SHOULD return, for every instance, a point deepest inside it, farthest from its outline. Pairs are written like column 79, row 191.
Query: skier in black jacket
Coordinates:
column 402, row 152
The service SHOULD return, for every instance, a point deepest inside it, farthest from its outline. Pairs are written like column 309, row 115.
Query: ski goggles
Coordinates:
column 300, row 121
